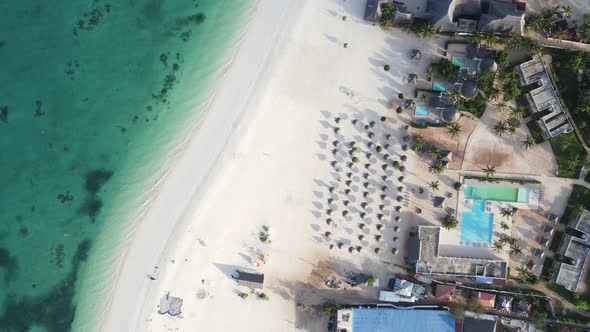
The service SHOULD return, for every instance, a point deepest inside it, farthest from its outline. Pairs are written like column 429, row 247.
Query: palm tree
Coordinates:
column 489, row 170
column 434, row 152
column 434, row 185
column 528, row 142
column 501, row 106
column 498, row 245
column 427, row 30
column 578, row 210
column 515, row 249
column 425, row 97
column 506, row 213
column 407, row 27
column 437, row 168
column 386, row 23
column 500, row 128
column 576, row 63
column 504, row 226
column 454, row 129
column 559, row 34
column 566, row 11
column 450, row 222
column 429, row 72
column 455, row 95
column 517, row 112
column 489, row 37
column 419, row 143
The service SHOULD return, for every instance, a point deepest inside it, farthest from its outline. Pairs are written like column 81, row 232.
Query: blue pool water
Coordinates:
column 458, row 62
column 421, row 111
column 439, row 86
column 476, row 225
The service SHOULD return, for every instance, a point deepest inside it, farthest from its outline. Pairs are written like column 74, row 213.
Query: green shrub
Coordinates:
column 330, row 308
column 383, row 119
column 400, row 95
column 355, row 159
column 386, row 67
column 244, row 296
column 379, row 148
column 458, row 185
column 396, row 164
column 371, row 281
column 399, row 110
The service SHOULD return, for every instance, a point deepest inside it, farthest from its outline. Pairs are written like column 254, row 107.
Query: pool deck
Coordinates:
column 450, row 241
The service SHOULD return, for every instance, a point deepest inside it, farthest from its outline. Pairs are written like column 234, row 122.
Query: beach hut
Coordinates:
column 250, row 279
column 486, row 299
column 439, row 202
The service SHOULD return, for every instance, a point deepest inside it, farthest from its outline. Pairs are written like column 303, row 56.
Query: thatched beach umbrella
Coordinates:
column 340, row 245
column 418, row 210
column 387, row 136
column 333, row 163
column 347, row 191
column 386, row 146
column 381, row 207
column 397, row 218
column 364, row 204
column 403, row 158
column 361, row 225
column 398, row 208
column 395, row 239
column 348, row 182
column 329, row 211
column 384, row 167
column 378, row 237
column 350, row 249
column 406, row 138
column 335, row 143
column 379, row 216
column 377, row 250
column 370, row 144
column 379, row 226
column 361, row 237
column 394, row 251
column 349, row 174
column 345, row 203
column 359, row 248
column 337, row 119
column 363, row 214
column 367, row 165
column 402, row 168
column 383, row 188
column 327, row 235
column 372, row 124
column 396, row 228
column 371, row 135
column 384, row 178
column 331, row 246
column 329, row 221
column 405, row 147
column 365, row 194
column 344, row 213
column 331, row 189
column 401, row 179
column 400, row 188
column 336, row 130
column 383, row 196
column 330, row 200
column 365, row 175
column 399, row 198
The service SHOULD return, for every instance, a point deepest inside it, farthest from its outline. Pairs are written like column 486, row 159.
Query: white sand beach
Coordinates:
column 263, row 157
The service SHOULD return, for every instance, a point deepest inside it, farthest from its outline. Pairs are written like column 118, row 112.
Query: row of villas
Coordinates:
column 456, row 16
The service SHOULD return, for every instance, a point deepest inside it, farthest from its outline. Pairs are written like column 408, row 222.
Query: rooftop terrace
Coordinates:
column 544, row 97
column 430, row 262
column 577, row 249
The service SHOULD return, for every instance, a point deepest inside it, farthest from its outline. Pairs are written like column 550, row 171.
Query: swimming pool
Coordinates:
column 421, row 111
column 495, row 193
column 458, row 61
column 439, row 86
column 476, row 225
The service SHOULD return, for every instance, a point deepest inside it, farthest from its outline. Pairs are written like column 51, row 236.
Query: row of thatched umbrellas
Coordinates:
column 349, row 183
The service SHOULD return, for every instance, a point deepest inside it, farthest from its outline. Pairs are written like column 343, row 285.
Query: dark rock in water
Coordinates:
column 2, row 43
column 91, row 207
column 9, row 264
column 164, row 58
column 4, row 114
column 96, row 179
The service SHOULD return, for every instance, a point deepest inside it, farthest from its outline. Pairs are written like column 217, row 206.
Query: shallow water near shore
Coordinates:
column 95, row 96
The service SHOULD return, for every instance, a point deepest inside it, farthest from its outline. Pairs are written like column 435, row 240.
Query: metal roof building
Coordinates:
column 384, row 319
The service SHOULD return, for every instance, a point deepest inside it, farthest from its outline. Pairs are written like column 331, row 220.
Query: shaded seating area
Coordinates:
column 250, row 279
column 170, row 305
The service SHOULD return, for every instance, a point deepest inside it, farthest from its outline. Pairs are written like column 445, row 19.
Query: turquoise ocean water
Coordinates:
column 95, row 95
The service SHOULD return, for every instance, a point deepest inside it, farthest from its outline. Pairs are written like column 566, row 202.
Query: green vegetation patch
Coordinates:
column 557, row 240
column 475, row 106
column 570, row 154
column 536, row 131
column 580, row 197
column 446, row 69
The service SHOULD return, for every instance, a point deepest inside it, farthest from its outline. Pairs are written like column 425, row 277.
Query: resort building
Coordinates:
column 435, row 260
column 577, row 250
column 468, row 250
column 403, row 291
column 487, row 300
column 544, row 97
column 389, row 318
column 479, row 322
